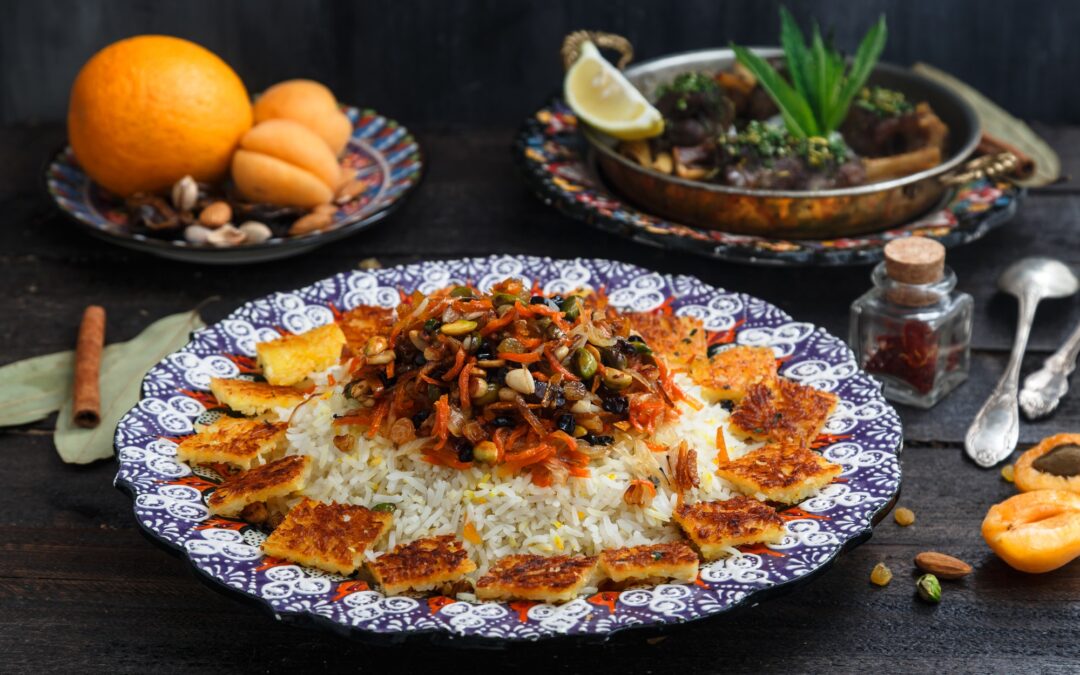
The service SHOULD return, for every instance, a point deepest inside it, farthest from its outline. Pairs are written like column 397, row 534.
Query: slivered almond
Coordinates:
column 941, row 565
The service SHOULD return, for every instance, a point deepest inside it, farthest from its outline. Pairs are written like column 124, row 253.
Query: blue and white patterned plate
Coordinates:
column 382, row 152
column 865, row 438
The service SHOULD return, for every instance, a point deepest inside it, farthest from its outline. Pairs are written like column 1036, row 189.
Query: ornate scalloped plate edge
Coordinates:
column 384, row 152
column 168, row 501
column 557, row 166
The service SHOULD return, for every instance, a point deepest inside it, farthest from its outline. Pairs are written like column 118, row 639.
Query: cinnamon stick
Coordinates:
column 88, row 367
column 992, row 145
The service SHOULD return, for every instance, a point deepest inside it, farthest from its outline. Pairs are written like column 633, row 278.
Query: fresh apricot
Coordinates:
column 294, row 143
column 1035, row 531
column 266, row 179
column 1053, row 464
column 310, row 104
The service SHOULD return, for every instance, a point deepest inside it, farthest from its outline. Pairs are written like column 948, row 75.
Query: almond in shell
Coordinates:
column 941, row 565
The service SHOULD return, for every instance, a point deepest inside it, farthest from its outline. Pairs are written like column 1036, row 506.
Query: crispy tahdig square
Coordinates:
column 715, row 526
column 291, row 358
column 787, row 412
column 677, row 339
column 780, row 472
column 650, row 562
column 331, row 537
column 525, row 576
column 237, row 442
column 276, row 479
column 421, row 565
column 728, row 374
column 364, row 322
column 253, row 398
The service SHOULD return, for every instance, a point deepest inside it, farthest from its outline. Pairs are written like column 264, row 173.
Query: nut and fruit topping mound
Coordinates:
column 484, row 375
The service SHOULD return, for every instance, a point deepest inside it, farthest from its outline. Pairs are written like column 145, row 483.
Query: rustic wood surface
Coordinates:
column 80, row 587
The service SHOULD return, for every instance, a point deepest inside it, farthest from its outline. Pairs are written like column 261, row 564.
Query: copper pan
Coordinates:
column 803, row 214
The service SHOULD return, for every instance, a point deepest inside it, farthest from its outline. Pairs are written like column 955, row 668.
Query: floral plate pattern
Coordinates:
column 558, row 166
column 381, row 152
column 864, row 437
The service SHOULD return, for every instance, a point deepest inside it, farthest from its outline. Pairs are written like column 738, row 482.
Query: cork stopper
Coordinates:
column 915, row 260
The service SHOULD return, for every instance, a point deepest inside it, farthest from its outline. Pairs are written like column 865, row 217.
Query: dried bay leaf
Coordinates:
column 1000, row 124
column 122, row 371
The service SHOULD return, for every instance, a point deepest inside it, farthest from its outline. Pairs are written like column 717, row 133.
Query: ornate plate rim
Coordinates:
column 351, row 224
column 538, row 182
column 442, row 632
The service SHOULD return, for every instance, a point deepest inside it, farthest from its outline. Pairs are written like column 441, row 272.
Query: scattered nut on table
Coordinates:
column 225, row 236
column 256, row 232
column 216, row 214
column 185, row 193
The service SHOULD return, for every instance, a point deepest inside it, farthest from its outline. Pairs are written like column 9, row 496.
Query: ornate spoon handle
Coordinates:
column 1044, row 388
column 993, row 434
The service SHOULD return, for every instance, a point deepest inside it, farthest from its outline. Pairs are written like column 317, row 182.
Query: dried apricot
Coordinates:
column 1053, row 464
column 1035, row 531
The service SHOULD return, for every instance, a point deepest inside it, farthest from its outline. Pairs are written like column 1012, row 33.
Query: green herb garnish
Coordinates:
column 883, row 102
column 816, row 101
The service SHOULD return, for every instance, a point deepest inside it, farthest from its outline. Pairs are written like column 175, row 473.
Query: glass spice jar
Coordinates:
column 911, row 331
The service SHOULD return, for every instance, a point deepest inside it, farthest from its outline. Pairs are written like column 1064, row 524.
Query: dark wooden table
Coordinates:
column 82, row 589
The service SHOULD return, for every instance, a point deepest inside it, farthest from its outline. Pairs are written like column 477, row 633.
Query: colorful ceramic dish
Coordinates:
column 863, row 436
column 383, row 153
column 561, row 169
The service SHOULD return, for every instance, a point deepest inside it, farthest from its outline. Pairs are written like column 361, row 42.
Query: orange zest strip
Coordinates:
column 527, row 357
column 459, row 362
column 502, row 322
column 463, row 383
column 558, row 367
column 721, row 447
column 441, row 429
column 381, row 410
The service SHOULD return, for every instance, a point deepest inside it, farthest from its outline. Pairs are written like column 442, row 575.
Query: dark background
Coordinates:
column 476, row 62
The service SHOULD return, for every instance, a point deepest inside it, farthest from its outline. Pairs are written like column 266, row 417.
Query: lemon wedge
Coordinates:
column 600, row 96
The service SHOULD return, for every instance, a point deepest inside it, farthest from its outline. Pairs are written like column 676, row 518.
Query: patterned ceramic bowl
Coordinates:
column 382, row 152
column 864, row 436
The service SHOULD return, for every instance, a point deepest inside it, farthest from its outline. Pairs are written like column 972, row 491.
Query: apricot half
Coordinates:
column 283, row 162
column 1053, row 464
column 1035, row 531
column 310, row 104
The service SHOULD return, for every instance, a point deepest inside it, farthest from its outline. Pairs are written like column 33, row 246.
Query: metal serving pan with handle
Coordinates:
column 801, row 214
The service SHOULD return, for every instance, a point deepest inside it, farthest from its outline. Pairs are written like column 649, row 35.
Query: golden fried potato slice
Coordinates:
column 331, row 537
column 535, row 577
column 276, row 479
column 787, row 412
column 780, row 472
column 364, row 322
column 421, row 565
column 233, row 441
column 650, row 562
column 676, row 339
column 253, row 398
column 716, row 526
column 291, row 358
column 727, row 375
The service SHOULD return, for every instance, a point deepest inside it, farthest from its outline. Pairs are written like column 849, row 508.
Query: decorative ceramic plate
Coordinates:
column 559, row 167
column 382, row 152
column 864, row 437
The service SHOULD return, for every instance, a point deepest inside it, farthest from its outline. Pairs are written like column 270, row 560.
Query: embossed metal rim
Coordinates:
column 169, row 505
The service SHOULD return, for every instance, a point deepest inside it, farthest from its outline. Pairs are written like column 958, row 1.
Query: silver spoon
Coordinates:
column 993, row 434
column 1044, row 388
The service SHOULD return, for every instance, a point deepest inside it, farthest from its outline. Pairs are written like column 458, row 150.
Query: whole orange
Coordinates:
column 148, row 110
